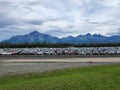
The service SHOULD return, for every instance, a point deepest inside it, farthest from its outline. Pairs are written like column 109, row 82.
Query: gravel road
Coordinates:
column 27, row 65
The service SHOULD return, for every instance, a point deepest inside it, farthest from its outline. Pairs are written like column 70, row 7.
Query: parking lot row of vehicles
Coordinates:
column 61, row 51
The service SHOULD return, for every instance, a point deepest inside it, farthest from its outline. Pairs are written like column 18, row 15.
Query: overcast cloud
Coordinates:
column 59, row 17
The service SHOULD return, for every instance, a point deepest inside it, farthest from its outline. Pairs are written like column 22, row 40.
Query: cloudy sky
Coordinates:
column 59, row 17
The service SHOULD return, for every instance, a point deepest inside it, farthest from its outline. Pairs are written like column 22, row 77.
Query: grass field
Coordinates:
column 84, row 78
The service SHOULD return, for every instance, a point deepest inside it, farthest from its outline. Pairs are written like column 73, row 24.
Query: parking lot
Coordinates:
column 61, row 51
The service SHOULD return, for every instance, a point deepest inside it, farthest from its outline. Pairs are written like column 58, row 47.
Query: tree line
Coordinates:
column 57, row 45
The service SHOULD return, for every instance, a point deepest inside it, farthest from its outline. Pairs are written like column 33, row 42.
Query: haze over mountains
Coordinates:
column 36, row 37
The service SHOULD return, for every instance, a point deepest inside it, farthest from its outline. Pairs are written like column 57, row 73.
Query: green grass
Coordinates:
column 85, row 78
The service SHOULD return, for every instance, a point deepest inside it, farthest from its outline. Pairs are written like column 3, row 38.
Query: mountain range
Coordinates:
column 36, row 37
